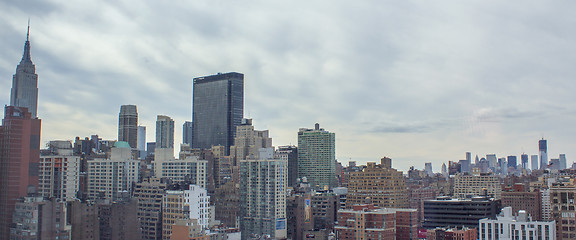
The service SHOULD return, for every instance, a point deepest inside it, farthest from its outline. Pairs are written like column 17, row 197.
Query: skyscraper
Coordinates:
column 543, row 150
column 187, row 131
column 164, row 132
column 524, row 159
column 316, row 156
column 217, row 108
column 25, row 82
column 141, row 145
column 534, row 160
column 19, row 140
column 128, row 125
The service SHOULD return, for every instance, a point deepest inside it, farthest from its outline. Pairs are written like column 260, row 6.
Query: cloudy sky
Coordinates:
column 417, row 81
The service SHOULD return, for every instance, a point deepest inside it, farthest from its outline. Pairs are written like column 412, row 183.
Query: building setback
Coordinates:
column 217, row 109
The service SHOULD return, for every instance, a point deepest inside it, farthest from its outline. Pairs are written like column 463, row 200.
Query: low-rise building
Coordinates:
column 448, row 212
column 508, row 226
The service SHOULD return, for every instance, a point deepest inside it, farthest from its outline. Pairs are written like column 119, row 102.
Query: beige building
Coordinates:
column 384, row 185
column 563, row 204
column 180, row 170
column 466, row 185
column 185, row 205
column 59, row 171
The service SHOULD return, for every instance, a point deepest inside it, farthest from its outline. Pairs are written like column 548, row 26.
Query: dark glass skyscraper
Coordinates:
column 128, row 125
column 217, row 108
column 543, row 150
column 187, row 133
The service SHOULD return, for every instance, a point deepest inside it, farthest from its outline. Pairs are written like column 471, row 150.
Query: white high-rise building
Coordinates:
column 59, row 172
column 506, row 226
column 188, row 204
column 179, row 170
column 113, row 178
column 263, row 183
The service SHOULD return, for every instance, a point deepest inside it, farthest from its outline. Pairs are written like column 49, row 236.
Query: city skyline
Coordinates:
column 418, row 83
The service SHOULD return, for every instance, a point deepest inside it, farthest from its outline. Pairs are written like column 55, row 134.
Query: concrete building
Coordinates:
column 428, row 169
column 384, row 185
column 299, row 215
column 149, row 194
column 369, row 222
column 447, row 212
column 316, row 157
column 39, row 219
column 226, row 200
column 248, row 141
column 113, row 178
column 531, row 202
column 185, row 204
column 164, row 132
column 104, row 219
column 507, row 226
column 469, row 185
column 263, row 183
column 417, row 195
column 190, row 169
column 325, row 205
column 59, row 172
column 563, row 204
column 217, row 109
column 128, row 125
column 534, row 161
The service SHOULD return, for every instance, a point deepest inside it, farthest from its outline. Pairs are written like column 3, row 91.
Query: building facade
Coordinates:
column 370, row 222
column 508, row 226
column 316, row 157
column 217, row 109
column 59, row 172
column 384, row 185
column 149, row 194
column 24, row 92
column 470, row 185
column 185, row 204
column 290, row 154
column 263, row 183
column 164, row 132
column 447, row 212
column 128, row 125
column 36, row 218
column 187, row 131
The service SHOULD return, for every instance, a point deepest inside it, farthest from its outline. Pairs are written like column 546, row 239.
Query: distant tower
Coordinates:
column 444, row 171
column 512, row 162
column 25, row 82
column 128, row 125
column 534, row 160
column 524, row 160
column 217, row 109
column 316, row 156
column 142, row 142
column 428, row 169
column 187, row 131
column 164, row 132
column 562, row 161
column 543, row 150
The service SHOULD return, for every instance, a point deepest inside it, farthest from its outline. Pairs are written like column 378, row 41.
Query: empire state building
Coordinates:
column 25, row 82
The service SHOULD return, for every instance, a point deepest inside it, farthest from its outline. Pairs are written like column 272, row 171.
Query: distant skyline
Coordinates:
column 414, row 81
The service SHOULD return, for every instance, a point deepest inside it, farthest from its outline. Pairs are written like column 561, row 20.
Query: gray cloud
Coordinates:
column 485, row 76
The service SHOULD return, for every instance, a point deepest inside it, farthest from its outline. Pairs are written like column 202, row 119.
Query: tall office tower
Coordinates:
column 248, row 141
column 19, row 159
column 562, row 161
column 290, row 154
column 189, row 203
column 59, row 174
column 428, row 169
column 512, row 162
column 316, row 157
column 543, row 151
column 164, row 132
column 469, row 157
column 263, row 182
column 492, row 160
column 149, row 195
column 534, row 162
column 467, row 186
column 187, row 131
column 503, row 166
column 113, row 178
column 388, row 191
column 25, row 83
column 128, row 125
column 524, row 159
column 217, row 109
column 141, row 145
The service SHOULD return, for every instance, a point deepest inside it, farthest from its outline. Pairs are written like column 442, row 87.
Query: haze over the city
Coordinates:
column 416, row 81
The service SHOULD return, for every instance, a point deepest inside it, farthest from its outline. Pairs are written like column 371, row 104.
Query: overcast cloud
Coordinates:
column 418, row 81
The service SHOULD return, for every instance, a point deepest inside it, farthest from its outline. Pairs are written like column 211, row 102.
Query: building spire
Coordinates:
column 26, row 59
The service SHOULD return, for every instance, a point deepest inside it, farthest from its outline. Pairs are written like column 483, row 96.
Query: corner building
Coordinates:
column 217, row 109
